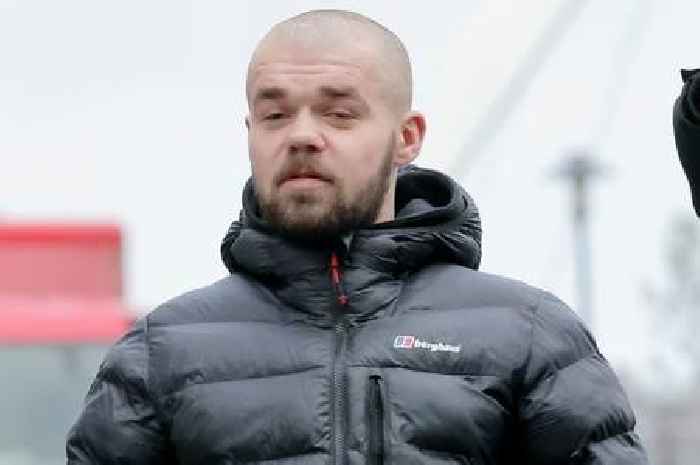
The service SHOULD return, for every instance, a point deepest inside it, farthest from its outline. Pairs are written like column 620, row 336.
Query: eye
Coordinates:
column 273, row 116
column 340, row 114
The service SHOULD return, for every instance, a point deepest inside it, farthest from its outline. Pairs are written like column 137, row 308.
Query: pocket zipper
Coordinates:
column 376, row 421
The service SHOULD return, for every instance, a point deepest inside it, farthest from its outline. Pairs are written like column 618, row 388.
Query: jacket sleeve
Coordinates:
column 119, row 424
column 573, row 409
column 686, row 128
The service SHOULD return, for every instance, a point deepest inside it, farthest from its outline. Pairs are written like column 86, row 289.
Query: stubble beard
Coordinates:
column 310, row 216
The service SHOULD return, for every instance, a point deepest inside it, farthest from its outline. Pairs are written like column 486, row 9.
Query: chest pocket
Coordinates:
column 459, row 418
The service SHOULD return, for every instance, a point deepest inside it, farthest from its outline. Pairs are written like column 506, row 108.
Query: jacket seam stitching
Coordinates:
column 591, row 356
column 160, row 416
column 438, row 373
column 534, row 309
column 625, row 430
column 586, row 441
column 147, row 356
column 551, row 368
column 236, row 380
column 86, row 446
column 217, row 322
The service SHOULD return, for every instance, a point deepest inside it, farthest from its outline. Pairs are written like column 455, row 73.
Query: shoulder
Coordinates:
column 236, row 297
column 125, row 363
column 453, row 286
column 548, row 324
column 561, row 343
column 553, row 327
column 552, row 336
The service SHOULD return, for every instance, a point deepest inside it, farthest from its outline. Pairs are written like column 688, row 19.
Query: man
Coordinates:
column 353, row 328
column 686, row 127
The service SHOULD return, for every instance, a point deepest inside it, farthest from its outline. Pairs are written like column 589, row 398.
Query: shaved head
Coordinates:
column 330, row 123
column 334, row 32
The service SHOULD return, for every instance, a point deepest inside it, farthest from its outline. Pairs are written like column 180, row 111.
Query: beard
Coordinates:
column 311, row 216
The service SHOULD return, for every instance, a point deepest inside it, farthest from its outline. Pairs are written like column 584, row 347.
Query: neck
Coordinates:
column 387, row 212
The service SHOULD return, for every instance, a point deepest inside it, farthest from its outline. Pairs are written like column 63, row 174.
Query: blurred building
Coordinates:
column 668, row 425
column 60, row 308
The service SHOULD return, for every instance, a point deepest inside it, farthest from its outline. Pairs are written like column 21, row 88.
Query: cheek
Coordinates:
column 366, row 147
column 261, row 164
column 359, row 170
column 262, row 148
column 366, row 153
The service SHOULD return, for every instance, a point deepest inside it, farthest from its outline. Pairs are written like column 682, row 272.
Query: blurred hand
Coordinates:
column 691, row 94
column 686, row 128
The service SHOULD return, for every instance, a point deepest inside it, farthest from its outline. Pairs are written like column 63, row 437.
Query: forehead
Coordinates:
column 297, row 68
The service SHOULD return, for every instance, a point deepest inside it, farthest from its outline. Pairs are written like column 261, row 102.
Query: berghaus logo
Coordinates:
column 413, row 342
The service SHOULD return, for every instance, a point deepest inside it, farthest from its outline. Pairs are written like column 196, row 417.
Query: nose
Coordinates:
column 305, row 134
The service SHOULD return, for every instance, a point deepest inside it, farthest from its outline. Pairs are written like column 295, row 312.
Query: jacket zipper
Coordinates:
column 338, row 383
column 376, row 422
column 337, row 280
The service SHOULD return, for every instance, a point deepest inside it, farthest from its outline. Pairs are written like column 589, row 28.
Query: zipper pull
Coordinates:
column 336, row 279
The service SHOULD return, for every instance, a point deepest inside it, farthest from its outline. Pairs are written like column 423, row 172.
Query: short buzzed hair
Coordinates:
column 323, row 26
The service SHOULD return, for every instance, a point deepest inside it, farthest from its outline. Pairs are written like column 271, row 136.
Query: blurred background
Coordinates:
column 123, row 155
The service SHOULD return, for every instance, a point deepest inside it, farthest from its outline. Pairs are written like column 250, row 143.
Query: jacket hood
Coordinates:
column 435, row 215
column 436, row 222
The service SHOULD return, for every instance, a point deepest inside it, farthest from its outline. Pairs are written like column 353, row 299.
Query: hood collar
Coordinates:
column 436, row 222
column 431, row 207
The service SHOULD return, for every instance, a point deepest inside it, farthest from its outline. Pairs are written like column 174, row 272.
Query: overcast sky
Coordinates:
column 132, row 112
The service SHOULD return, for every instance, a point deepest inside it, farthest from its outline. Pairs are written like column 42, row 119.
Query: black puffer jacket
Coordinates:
column 686, row 127
column 396, row 351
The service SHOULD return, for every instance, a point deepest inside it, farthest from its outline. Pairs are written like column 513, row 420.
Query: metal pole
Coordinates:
column 580, row 169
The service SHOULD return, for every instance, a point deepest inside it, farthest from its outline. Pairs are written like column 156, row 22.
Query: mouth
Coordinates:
column 306, row 178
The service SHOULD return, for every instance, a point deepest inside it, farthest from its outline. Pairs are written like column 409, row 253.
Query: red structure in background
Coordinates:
column 61, row 307
column 61, row 283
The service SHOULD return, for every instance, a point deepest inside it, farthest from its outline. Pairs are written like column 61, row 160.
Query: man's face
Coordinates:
column 322, row 139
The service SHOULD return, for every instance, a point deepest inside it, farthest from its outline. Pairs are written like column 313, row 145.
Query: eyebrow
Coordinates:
column 338, row 92
column 270, row 93
column 327, row 91
column 344, row 92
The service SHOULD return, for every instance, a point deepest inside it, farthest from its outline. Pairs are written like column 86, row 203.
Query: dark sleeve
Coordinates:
column 119, row 423
column 574, row 410
column 686, row 128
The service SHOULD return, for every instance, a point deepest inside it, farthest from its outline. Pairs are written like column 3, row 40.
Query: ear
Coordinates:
column 411, row 138
column 247, row 122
